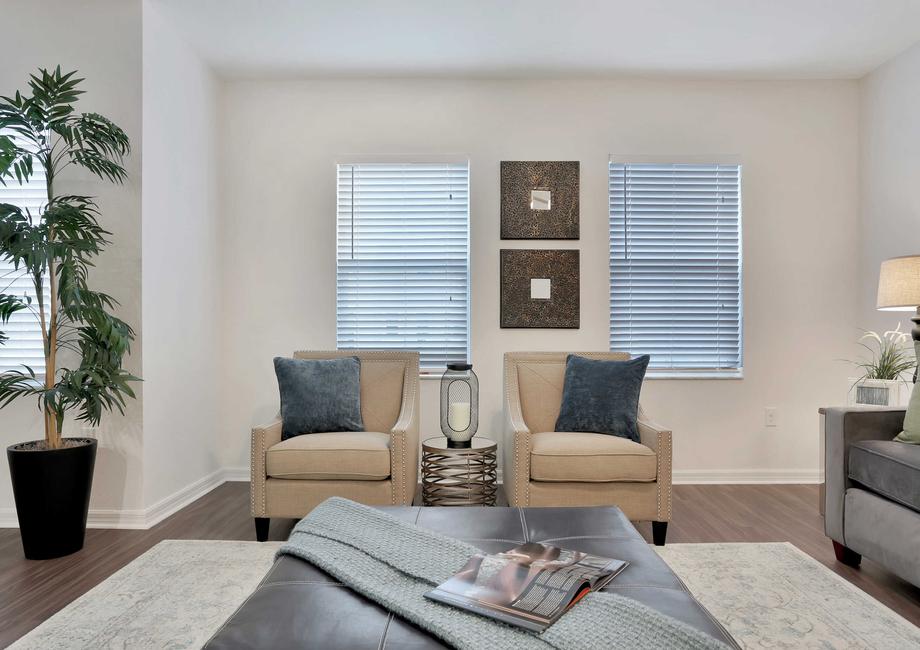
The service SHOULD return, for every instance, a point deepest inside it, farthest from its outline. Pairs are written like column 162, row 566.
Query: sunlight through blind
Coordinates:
column 675, row 264
column 402, row 259
column 24, row 346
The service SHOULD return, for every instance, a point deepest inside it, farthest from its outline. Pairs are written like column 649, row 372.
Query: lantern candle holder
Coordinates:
column 459, row 404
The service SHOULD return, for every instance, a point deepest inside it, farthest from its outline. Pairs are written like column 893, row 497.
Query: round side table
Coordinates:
column 459, row 476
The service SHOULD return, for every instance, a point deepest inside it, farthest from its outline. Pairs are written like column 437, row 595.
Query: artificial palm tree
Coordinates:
column 54, row 247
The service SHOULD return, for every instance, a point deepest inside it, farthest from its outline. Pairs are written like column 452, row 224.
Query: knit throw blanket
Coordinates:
column 394, row 563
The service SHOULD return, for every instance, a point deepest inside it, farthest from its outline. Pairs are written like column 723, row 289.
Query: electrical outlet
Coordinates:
column 770, row 418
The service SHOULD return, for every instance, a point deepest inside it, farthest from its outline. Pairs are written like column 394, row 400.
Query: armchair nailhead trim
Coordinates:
column 664, row 450
column 258, row 471
column 658, row 476
column 252, row 478
column 399, row 493
column 511, row 387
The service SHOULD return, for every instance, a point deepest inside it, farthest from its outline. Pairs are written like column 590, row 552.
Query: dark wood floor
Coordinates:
column 33, row 591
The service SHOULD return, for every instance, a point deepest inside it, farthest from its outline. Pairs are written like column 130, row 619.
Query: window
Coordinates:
column 24, row 346
column 675, row 265
column 402, row 259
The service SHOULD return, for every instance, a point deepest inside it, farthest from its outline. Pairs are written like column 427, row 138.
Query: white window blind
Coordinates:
column 675, row 264
column 24, row 346
column 403, row 259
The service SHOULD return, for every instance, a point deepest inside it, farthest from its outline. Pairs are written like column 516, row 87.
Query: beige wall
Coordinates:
column 798, row 144
column 101, row 39
column 181, row 308
column 142, row 75
column 890, row 174
column 241, row 267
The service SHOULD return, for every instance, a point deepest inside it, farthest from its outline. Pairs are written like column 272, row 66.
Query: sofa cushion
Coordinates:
column 590, row 458
column 888, row 468
column 602, row 396
column 319, row 395
column 349, row 455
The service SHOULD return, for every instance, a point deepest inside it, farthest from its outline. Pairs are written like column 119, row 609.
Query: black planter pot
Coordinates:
column 51, row 488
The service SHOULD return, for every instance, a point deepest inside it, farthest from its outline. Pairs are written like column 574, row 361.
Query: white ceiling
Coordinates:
column 746, row 39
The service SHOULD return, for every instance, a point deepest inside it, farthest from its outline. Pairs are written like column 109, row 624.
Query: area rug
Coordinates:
column 776, row 596
column 173, row 596
column 767, row 595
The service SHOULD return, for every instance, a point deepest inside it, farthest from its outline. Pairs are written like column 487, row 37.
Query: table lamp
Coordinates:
column 459, row 404
column 899, row 290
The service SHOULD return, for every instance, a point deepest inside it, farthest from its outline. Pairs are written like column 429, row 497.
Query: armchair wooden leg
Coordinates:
column 262, row 528
column 659, row 532
column 846, row 555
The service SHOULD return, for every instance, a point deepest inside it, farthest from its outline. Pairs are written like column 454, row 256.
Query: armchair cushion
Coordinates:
column 589, row 457
column 888, row 468
column 319, row 395
column 602, row 396
column 348, row 456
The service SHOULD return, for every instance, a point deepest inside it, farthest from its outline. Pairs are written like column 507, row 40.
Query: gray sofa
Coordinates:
column 872, row 497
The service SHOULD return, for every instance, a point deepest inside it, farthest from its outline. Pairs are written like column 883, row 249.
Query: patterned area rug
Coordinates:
column 776, row 596
column 767, row 595
column 173, row 596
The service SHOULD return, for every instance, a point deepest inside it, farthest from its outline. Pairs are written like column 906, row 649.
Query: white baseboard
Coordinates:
column 171, row 504
column 236, row 473
column 142, row 519
column 152, row 515
column 746, row 476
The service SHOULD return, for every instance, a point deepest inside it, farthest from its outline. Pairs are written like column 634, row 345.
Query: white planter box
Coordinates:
column 878, row 392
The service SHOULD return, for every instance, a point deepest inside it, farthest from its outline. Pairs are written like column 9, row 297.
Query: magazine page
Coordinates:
column 529, row 586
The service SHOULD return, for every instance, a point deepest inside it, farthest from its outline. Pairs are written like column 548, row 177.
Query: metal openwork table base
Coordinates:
column 459, row 476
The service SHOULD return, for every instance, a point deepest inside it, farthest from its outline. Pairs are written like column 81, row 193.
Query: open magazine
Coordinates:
column 529, row 586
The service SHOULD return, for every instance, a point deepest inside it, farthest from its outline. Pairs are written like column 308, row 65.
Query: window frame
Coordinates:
column 688, row 159
column 425, row 372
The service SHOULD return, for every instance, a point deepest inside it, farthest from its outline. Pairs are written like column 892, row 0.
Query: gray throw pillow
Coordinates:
column 319, row 395
column 602, row 396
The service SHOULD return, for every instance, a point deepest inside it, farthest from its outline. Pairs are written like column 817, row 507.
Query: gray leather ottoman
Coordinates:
column 299, row 606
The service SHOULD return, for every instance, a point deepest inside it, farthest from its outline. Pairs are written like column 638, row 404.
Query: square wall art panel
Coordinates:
column 539, row 200
column 540, row 288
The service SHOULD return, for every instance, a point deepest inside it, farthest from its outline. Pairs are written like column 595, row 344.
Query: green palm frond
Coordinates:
column 42, row 130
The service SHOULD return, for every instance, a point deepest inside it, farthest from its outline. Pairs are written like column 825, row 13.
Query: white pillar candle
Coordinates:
column 458, row 416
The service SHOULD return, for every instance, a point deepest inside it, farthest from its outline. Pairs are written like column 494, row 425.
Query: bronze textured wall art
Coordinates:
column 539, row 199
column 540, row 288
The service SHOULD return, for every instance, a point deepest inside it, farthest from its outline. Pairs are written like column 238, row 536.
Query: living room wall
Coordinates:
column 180, row 269
column 798, row 142
column 163, row 268
column 890, row 174
column 101, row 39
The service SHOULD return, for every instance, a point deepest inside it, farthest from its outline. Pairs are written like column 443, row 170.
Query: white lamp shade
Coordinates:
column 899, row 284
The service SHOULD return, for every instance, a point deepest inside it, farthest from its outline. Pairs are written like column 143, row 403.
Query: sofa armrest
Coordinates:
column 263, row 437
column 517, row 444
column 842, row 428
column 658, row 439
column 404, row 446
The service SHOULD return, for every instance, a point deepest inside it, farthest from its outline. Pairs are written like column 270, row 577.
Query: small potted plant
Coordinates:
column 882, row 382
column 84, row 343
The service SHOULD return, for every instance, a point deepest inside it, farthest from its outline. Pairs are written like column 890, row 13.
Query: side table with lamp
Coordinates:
column 872, row 459
column 898, row 290
column 458, row 469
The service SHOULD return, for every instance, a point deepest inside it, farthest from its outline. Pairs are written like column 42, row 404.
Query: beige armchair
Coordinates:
column 376, row 466
column 544, row 468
